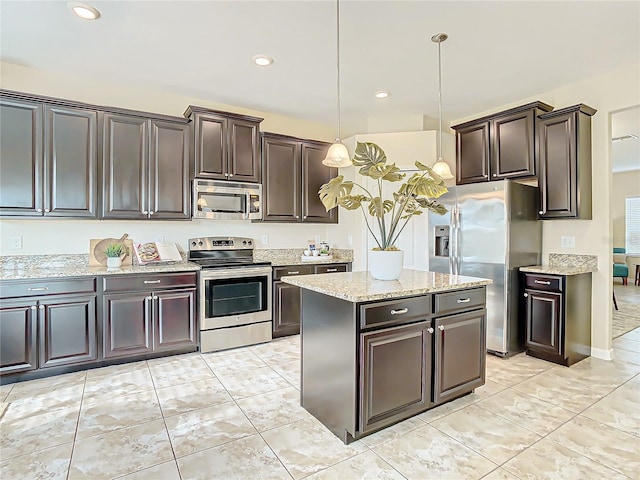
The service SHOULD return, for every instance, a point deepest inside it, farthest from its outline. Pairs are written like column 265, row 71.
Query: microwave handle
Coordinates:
column 247, row 202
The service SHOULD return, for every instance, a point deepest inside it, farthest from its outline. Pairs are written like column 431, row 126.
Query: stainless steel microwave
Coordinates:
column 225, row 200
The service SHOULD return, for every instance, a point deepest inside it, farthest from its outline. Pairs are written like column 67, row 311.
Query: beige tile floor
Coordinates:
column 236, row 415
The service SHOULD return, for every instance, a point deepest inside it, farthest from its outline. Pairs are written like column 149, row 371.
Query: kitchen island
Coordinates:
column 377, row 352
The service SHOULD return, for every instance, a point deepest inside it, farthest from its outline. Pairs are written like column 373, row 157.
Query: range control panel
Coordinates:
column 220, row 243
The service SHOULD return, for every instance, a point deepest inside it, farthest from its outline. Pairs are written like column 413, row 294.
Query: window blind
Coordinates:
column 632, row 225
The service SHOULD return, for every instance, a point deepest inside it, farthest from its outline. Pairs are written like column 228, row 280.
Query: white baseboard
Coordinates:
column 602, row 354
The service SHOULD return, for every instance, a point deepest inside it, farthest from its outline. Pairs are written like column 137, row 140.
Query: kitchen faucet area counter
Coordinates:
column 376, row 352
column 362, row 287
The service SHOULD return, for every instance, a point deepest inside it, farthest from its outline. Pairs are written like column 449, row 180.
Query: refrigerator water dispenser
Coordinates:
column 442, row 240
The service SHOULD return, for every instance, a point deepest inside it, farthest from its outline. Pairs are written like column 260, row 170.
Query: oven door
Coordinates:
column 234, row 296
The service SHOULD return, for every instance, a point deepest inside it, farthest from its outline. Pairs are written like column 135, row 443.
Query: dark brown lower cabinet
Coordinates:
column 145, row 322
column 67, row 330
column 286, row 309
column 18, row 336
column 460, row 354
column 557, row 310
column 395, row 374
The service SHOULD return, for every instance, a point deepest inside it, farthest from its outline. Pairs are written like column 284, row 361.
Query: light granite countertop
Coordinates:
column 558, row 269
column 60, row 266
column 362, row 287
column 293, row 256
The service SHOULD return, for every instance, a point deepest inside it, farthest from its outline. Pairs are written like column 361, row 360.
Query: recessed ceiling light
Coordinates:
column 262, row 60
column 84, row 11
column 382, row 93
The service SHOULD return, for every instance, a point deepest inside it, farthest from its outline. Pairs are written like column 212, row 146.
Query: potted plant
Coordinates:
column 389, row 216
column 115, row 252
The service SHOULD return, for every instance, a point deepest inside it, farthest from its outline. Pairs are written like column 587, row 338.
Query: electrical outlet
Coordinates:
column 568, row 242
column 264, row 239
column 16, row 242
column 350, row 240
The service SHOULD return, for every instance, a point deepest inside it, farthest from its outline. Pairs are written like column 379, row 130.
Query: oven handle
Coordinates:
column 215, row 273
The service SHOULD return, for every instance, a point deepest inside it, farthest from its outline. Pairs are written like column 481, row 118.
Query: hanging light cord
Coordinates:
column 440, row 99
column 338, row 66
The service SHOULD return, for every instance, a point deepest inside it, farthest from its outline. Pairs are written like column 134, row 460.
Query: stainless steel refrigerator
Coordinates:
column 491, row 229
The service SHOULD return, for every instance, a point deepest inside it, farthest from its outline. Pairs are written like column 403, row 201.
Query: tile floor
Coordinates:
column 236, row 415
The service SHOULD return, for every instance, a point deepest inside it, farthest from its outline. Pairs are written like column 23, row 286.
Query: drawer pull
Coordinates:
column 400, row 311
column 441, row 327
column 464, row 300
column 293, row 273
column 430, row 330
column 542, row 282
column 152, row 281
column 33, row 307
column 329, row 270
column 526, row 295
column 37, row 289
column 41, row 307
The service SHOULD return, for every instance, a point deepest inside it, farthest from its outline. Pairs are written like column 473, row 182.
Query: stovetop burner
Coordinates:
column 214, row 252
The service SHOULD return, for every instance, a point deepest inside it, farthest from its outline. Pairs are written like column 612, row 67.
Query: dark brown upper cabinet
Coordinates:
column 293, row 174
column 145, row 167
column 564, row 146
column 48, row 158
column 498, row 146
column 226, row 146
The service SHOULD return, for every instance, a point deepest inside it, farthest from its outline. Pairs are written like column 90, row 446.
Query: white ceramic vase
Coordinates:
column 114, row 262
column 386, row 265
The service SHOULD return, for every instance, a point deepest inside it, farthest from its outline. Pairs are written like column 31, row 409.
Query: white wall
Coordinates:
column 625, row 184
column 607, row 93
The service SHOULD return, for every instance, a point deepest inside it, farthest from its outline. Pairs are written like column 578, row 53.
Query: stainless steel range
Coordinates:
column 235, row 293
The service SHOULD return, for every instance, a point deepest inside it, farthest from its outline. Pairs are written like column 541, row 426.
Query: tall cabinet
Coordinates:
column 48, row 157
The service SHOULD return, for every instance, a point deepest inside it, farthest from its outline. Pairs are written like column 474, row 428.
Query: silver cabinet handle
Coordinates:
column 155, row 297
column 526, row 294
column 151, row 212
column 495, row 174
column 148, row 298
column 463, row 300
column 230, row 175
column 541, row 212
column 41, row 307
column 47, row 210
column 293, row 273
column 39, row 210
column 145, row 212
column 226, row 174
column 152, row 281
column 400, row 311
column 37, row 289
column 329, row 270
column 430, row 330
column 441, row 327
column 33, row 308
column 297, row 216
column 542, row 282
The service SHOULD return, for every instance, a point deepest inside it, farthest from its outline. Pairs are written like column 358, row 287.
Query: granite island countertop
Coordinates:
column 362, row 287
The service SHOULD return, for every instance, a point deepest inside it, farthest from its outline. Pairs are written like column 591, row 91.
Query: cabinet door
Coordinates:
column 21, row 158
column 543, row 321
column 169, row 187
column 314, row 175
column 287, row 310
column 513, row 146
column 386, row 394
column 127, row 324
column 281, row 184
column 125, row 167
column 244, row 151
column 18, row 336
column 174, row 320
column 472, row 154
column 558, row 175
column 460, row 354
column 210, row 150
column 67, row 330
column 71, row 162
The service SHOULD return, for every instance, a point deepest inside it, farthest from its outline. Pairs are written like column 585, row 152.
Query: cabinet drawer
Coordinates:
column 148, row 282
column 543, row 282
column 280, row 272
column 339, row 267
column 47, row 287
column 394, row 312
column 451, row 302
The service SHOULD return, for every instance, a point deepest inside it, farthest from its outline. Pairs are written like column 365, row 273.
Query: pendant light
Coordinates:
column 440, row 167
column 337, row 156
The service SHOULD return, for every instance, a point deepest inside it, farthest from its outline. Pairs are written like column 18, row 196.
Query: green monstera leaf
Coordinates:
column 352, row 202
column 367, row 156
column 331, row 192
column 378, row 207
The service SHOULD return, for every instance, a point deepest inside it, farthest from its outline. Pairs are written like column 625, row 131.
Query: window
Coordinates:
column 632, row 225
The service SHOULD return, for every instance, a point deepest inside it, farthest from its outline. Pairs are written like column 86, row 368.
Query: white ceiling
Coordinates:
column 497, row 52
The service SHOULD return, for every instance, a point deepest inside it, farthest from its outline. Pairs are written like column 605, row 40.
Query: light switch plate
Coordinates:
column 16, row 242
column 264, row 239
column 568, row 242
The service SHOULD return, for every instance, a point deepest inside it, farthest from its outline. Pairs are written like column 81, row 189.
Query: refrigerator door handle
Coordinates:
column 452, row 240
column 457, row 240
